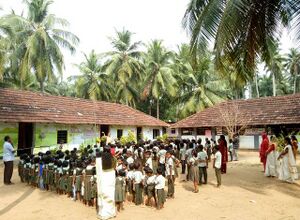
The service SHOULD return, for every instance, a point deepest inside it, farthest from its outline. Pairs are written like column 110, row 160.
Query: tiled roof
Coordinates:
column 259, row 111
column 25, row 106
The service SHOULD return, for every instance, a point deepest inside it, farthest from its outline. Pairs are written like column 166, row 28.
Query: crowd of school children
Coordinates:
column 142, row 170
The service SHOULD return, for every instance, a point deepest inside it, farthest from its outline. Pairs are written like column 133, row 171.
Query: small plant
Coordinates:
column 128, row 139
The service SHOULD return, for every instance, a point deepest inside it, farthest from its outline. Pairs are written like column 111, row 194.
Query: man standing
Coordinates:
column 8, row 158
column 235, row 147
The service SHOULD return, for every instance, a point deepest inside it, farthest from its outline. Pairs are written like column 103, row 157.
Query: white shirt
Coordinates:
column 202, row 155
column 151, row 180
column 130, row 160
column 138, row 176
column 119, row 167
column 169, row 167
column 182, row 153
column 188, row 153
column 8, row 154
column 155, row 148
column 218, row 159
column 130, row 175
column 160, row 182
column 149, row 163
column 162, row 156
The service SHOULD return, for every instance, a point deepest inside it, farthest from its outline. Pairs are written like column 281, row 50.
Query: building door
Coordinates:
column 25, row 139
column 139, row 133
column 104, row 129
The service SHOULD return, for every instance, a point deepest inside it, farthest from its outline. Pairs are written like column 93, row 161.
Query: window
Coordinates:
column 119, row 133
column 200, row 131
column 187, row 131
column 173, row 131
column 155, row 133
column 62, row 137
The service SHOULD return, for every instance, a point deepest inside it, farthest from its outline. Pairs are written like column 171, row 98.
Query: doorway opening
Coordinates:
column 25, row 139
column 104, row 130
column 139, row 134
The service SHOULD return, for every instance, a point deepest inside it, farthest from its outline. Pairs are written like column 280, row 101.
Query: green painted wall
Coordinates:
column 46, row 134
column 10, row 129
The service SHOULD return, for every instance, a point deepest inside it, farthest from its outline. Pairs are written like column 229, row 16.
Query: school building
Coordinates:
column 280, row 114
column 34, row 119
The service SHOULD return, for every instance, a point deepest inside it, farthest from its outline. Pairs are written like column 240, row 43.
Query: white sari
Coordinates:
column 271, row 164
column 288, row 171
column 106, row 180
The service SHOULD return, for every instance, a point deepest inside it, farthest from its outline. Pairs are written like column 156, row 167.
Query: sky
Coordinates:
column 93, row 21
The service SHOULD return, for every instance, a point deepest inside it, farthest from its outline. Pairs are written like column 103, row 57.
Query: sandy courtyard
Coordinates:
column 245, row 194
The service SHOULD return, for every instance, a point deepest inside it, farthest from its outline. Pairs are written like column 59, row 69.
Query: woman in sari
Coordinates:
column 263, row 149
column 294, row 145
column 224, row 151
column 288, row 170
column 271, row 159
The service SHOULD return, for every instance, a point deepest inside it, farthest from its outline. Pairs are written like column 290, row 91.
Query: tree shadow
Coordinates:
column 16, row 202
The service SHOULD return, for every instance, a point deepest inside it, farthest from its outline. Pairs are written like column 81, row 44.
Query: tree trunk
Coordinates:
column 157, row 108
column 256, row 86
column 274, row 84
column 295, row 84
column 250, row 91
column 42, row 86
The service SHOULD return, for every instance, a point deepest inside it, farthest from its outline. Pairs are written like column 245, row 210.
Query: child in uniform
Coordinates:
column 119, row 189
column 138, row 184
column 150, row 186
column 160, row 188
column 129, row 183
column 217, row 164
column 170, row 174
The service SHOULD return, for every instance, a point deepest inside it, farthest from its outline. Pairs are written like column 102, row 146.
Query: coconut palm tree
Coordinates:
column 6, row 38
column 239, row 28
column 206, row 90
column 159, row 78
column 293, row 65
column 124, row 66
column 40, row 37
column 93, row 83
column 274, row 63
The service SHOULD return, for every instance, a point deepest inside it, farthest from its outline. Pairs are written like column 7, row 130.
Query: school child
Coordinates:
column 148, row 158
column 34, row 171
column 21, row 167
column 150, row 188
column 217, row 164
column 120, row 190
column 27, row 167
column 129, row 183
column 94, row 188
column 40, row 175
column 182, row 152
column 194, row 174
column 203, row 164
column 119, row 164
column 160, row 188
column 77, row 174
column 50, row 173
column 154, row 161
column 170, row 174
column 64, row 177
column 88, row 173
column 138, row 184
column 230, row 149
column 58, row 173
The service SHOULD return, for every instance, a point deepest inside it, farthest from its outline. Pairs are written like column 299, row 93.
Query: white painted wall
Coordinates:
column 113, row 130
column 247, row 142
column 146, row 131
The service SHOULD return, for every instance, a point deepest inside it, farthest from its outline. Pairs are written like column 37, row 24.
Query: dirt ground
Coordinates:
column 245, row 194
